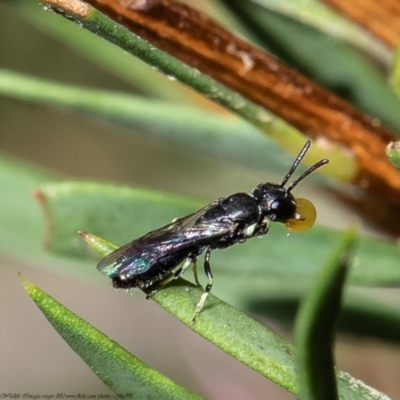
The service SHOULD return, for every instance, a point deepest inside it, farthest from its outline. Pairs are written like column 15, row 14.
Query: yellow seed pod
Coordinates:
column 305, row 218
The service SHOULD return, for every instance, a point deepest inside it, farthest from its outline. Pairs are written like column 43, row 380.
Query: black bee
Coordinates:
column 153, row 260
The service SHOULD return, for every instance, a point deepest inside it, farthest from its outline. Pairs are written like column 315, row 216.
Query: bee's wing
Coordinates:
column 138, row 256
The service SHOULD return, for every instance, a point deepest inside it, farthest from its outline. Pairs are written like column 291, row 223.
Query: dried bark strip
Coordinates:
column 76, row 8
column 379, row 17
column 200, row 42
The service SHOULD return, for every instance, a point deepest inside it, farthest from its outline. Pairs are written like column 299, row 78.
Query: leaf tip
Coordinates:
column 84, row 235
column 28, row 286
column 102, row 246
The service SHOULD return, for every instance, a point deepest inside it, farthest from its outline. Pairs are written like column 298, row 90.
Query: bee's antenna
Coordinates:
column 310, row 170
column 296, row 163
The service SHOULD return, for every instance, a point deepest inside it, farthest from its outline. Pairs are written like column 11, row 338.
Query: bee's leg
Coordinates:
column 161, row 284
column 190, row 260
column 184, row 267
column 194, row 266
column 170, row 277
column 203, row 298
column 262, row 228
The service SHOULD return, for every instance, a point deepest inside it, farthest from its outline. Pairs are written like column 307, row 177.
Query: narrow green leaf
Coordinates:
column 316, row 323
column 363, row 314
column 122, row 372
column 238, row 335
column 207, row 132
column 233, row 332
column 121, row 214
column 393, row 153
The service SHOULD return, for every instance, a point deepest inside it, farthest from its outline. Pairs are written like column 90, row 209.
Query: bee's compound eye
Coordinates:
column 306, row 215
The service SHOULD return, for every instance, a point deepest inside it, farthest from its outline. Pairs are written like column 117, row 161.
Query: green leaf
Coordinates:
column 316, row 323
column 207, row 132
column 363, row 314
column 121, row 214
column 122, row 372
column 237, row 334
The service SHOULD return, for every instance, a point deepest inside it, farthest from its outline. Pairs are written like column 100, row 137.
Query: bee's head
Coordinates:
column 279, row 205
column 276, row 203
